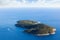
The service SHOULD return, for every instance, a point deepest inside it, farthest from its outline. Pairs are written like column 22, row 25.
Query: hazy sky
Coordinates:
column 30, row 3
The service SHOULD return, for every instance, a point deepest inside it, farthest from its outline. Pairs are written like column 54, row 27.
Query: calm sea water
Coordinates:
column 8, row 18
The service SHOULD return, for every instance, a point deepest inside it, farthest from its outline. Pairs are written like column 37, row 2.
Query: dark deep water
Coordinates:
column 8, row 17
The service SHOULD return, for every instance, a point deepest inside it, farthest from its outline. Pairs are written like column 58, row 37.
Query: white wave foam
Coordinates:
column 42, row 34
column 54, row 29
column 53, row 33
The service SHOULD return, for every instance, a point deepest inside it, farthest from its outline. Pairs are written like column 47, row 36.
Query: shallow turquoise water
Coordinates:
column 8, row 18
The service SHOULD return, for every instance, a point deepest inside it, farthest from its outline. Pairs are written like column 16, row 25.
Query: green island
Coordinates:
column 35, row 27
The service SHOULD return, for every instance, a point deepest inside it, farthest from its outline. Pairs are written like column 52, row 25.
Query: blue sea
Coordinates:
column 9, row 17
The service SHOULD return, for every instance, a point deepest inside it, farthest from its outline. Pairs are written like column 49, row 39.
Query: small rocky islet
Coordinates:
column 35, row 27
